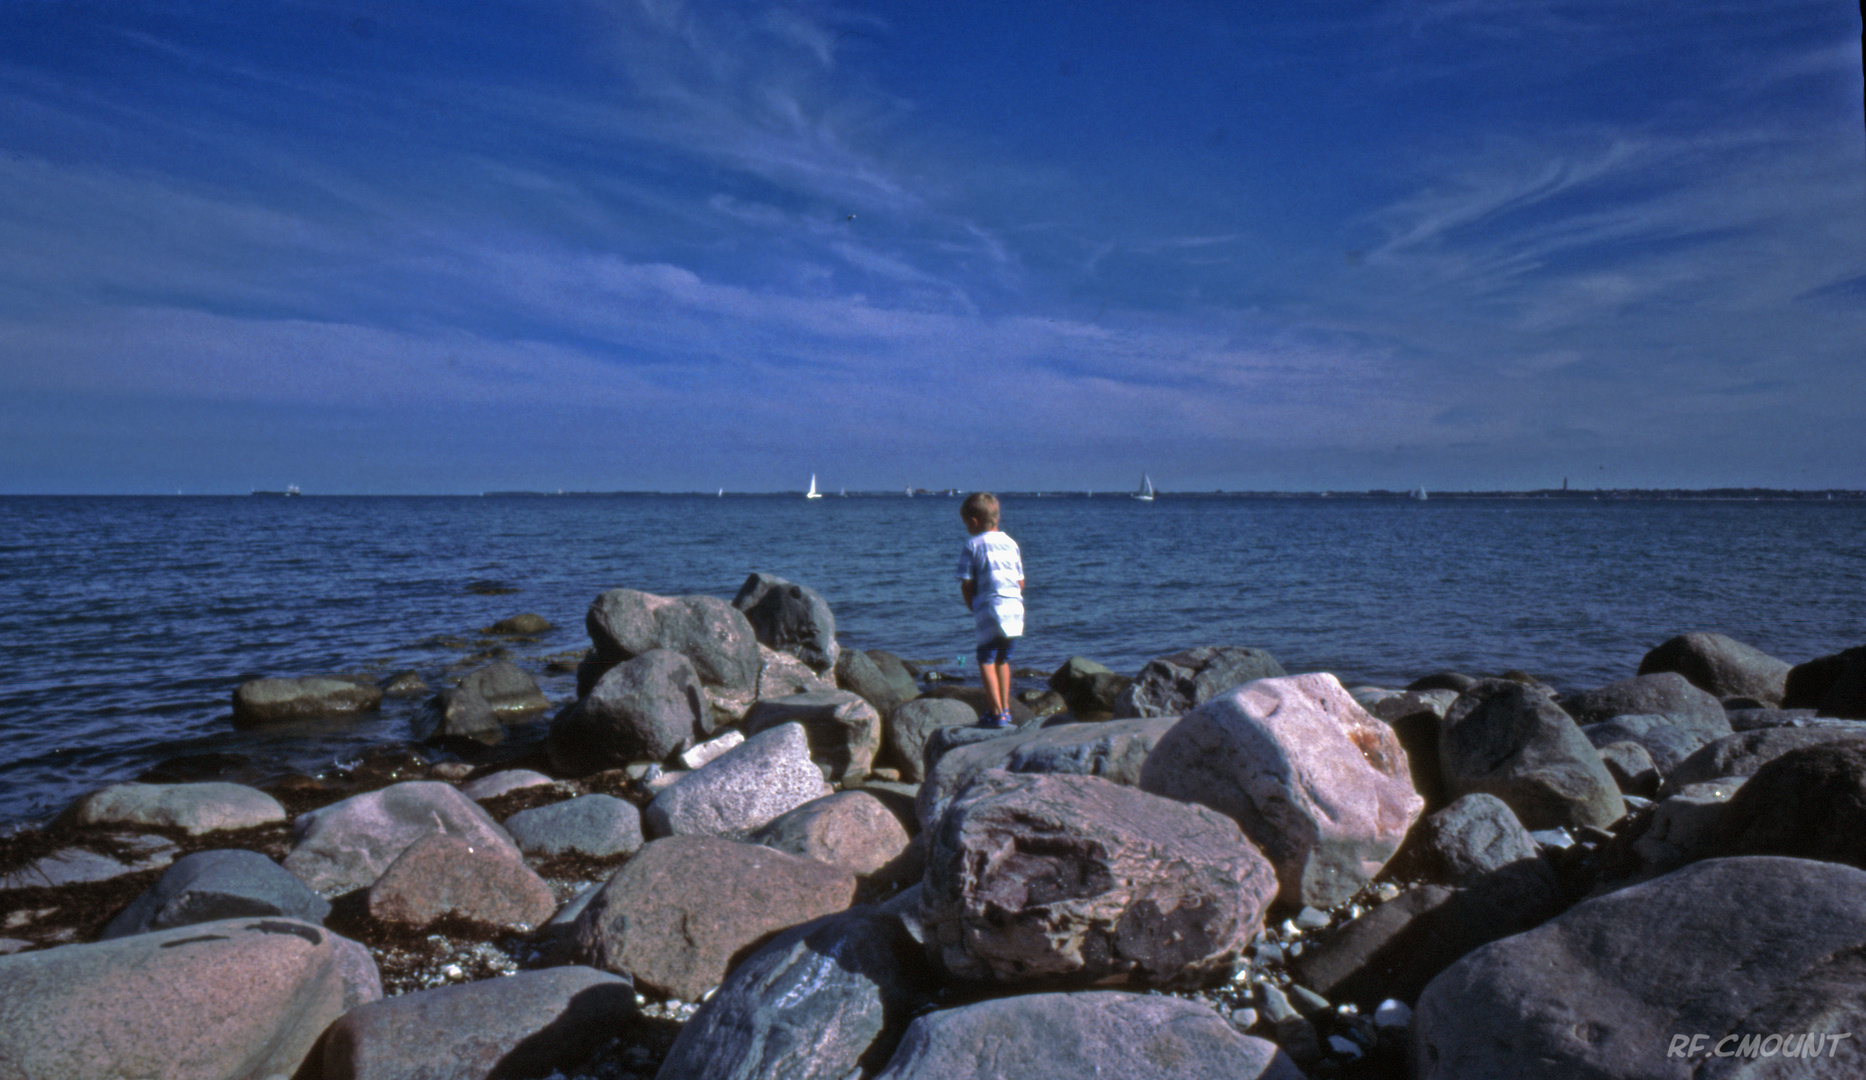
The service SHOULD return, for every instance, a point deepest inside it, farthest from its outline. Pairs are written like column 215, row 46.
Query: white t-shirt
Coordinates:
column 991, row 560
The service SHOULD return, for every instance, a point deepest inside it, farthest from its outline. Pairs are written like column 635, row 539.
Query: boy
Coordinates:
column 991, row 579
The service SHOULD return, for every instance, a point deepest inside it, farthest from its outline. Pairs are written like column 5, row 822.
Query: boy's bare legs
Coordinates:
column 997, row 680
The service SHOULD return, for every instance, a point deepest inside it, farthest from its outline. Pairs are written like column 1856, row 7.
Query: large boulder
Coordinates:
column 677, row 913
column 591, row 825
column 1473, row 837
column 1619, row 986
column 1321, row 787
column 223, row 884
column 711, row 633
column 790, row 618
column 905, row 680
column 844, row 731
column 459, row 715
column 193, row 808
column 439, row 876
column 258, row 702
column 823, row 1001
column 1114, row 750
column 1720, row 666
column 1664, row 742
column 741, row 789
column 780, row 674
column 224, row 1000
column 645, row 709
column 857, row 672
column 533, row 1023
column 1039, row 879
column 1511, row 740
column 512, row 693
column 1088, row 688
column 1666, row 694
column 1831, row 685
column 1177, row 684
column 1071, row 1036
column 850, row 829
column 348, row 844
column 905, row 732
column 1745, row 752
column 1809, row 803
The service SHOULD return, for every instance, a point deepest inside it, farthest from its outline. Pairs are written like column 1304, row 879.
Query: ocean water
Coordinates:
column 128, row 622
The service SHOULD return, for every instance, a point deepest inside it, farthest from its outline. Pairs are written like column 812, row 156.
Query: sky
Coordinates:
column 410, row 247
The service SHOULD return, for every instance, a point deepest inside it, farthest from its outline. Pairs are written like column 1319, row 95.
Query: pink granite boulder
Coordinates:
column 441, row 875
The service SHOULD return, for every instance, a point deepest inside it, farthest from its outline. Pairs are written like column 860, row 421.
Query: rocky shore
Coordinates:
column 743, row 851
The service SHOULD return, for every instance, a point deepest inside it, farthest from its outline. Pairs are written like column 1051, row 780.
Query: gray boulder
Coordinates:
column 645, row 709
column 1745, row 752
column 895, row 670
column 1667, row 694
column 258, row 702
column 858, row 673
column 1831, row 685
column 1177, row 684
column 439, row 876
column 1618, row 985
column 1720, row 666
column 822, row 1001
column 193, row 808
column 1473, row 837
column 1511, row 740
column 529, row 624
column 459, row 715
column 1088, row 688
column 677, row 913
column 850, row 829
column 1808, row 803
column 493, row 785
column 211, row 885
column 1630, row 765
column 843, row 731
column 780, row 674
column 1665, row 743
column 594, row 825
column 1036, row 879
column 1757, row 719
column 905, row 732
column 741, row 789
column 790, row 618
column 1071, row 1036
column 1114, row 750
column 512, row 693
column 212, row 1001
column 348, row 844
column 529, row 1024
column 1321, row 787
column 77, row 865
column 711, row 633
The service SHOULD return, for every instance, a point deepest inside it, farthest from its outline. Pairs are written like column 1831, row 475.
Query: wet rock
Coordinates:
column 1606, row 988
column 1114, row 750
column 850, row 829
column 511, row 692
column 439, row 875
column 525, row 625
column 1455, row 681
column 1072, row 879
column 194, row 808
column 459, row 715
column 1321, row 787
column 1720, row 666
column 528, row 1024
column 742, row 789
column 227, row 999
column 496, row 784
column 858, row 673
column 790, row 618
column 843, row 731
column 1097, row 1033
column 1745, row 752
column 212, row 885
column 1757, row 719
column 347, row 845
column 645, row 709
column 594, row 825
column 258, row 702
column 1176, row 684
column 1088, row 688
column 1510, row 740
column 821, row 1001
column 403, row 684
column 1667, row 694
column 1809, row 803
column 677, row 913
column 1831, row 685
column 711, row 633
column 906, row 730
column 76, row 865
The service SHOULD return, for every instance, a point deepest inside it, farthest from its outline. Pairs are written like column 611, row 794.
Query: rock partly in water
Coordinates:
column 1720, row 666
column 1511, row 740
column 459, row 715
column 858, row 673
column 741, row 789
column 439, row 876
column 1321, row 787
column 850, row 829
column 193, row 808
column 347, row 845
column 512, row 693
column 597, row 826
column 843, row 731
column 645, row 709
column 259, row 702
column 1177, row 684
column 714, row 635
column 677, row 913
column 1040, row 879
column 1666, row 694
column 221, row 884
column 529, row 624
column 790, row 618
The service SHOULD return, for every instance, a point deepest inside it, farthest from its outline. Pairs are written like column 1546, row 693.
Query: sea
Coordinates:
column 127, row 622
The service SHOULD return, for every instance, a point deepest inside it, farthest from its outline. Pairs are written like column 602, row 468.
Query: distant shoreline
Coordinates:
column 1377, row 494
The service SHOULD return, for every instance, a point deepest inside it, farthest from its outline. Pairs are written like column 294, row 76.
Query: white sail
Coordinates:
column 1145, row 494
column 812, row 493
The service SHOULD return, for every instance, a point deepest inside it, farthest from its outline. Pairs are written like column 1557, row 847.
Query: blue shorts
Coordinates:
column 995, row 651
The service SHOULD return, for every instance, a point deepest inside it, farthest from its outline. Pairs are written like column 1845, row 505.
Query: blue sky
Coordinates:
column 431, row 247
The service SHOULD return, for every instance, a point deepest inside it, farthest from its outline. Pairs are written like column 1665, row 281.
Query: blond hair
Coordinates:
column 980, row 506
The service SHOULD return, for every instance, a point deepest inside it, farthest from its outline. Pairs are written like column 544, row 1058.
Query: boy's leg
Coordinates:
column 988, row 674
column 1001, row 671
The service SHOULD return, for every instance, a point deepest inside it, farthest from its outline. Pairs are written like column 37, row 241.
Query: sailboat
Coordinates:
column 812, row 493
column 1145, row 494
column 1419, row 494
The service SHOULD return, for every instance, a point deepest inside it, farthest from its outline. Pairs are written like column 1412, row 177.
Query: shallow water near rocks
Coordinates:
column 129, row 621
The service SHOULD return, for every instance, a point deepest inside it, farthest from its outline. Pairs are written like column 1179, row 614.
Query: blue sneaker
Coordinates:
column 995, row 720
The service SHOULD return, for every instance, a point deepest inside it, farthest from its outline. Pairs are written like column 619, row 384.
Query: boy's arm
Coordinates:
column 968, row 589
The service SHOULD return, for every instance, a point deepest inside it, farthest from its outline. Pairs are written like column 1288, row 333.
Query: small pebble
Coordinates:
column 1553, row 838
column 1276, row 1007
column 1243, row 1019
column 1391, row 1015
column 1295, row 948
column 1311, row 919
column 1267, row 952
column 1346, row 1048
column 1307, row 1001
column 1386, row 890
